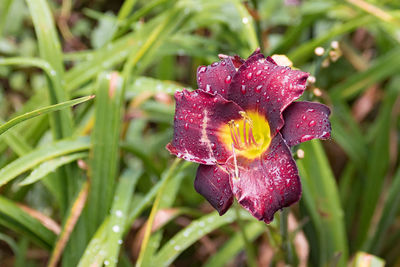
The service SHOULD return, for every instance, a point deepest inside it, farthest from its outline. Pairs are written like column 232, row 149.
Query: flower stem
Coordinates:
column 286, row 247
column 251, row 257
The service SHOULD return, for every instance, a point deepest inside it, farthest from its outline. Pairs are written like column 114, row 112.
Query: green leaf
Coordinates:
column 15, row 218
column 11, row 123
column 192, row 233
column 322, row 201
column 234, row 245
column 100, row 245
column 40, row 155
column 104, row 156
column 50, row 166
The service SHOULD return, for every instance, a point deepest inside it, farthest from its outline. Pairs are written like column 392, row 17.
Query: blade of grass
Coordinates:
column 69, row 225
column 192, row 233
column 378, row 163
column 3, row 15
column 153, row 212
column 50, row 166
column 234, row 245
column 40, row 155
column 326, row 212
column 305, row 51
column 45, row 110
column 95, row 252
column 383, row 67
column 50, row 50
column 14, row 217
column 391, row 207
column 104, row 156
column 117, row 221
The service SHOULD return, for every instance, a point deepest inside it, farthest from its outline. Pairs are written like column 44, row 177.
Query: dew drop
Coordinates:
column 115, row 228
column 243, row 89
column 311, row 123
column 228, row 79
column 258, row 88
column 208, row 88
column 258, row 73
column 186, row 126
column 202, row 69
column 304, row 117
column 249, row 75
column 214, row 64
column 223, row 63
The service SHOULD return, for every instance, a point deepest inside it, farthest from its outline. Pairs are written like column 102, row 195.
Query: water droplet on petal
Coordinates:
column 243, row 89
column 202, row 69
column 228, row 79
column 311, row 123
column 258, row 88
column 304, row 117
column 258, row 73
column 214, row 64
column 249, row 75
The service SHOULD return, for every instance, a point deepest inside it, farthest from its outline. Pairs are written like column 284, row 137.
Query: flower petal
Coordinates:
column 212, row 182
column 198, row 116
column 305, row 121
column 216, row 77
column 267, row 184
column 261, row 85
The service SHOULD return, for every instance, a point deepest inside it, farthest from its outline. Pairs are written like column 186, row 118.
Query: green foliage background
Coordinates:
column 84, row 185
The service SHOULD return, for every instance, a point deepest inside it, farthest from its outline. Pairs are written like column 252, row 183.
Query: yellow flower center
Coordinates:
column 249, row 136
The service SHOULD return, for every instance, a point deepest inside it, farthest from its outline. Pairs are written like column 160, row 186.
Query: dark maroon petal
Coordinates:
column 268, row 184
column 212, row 182
column 305, row 121
column 216, row 77
column 198, row 117
column 261, row 85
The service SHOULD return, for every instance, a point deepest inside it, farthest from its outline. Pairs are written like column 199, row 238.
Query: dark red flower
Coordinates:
column 239, row 126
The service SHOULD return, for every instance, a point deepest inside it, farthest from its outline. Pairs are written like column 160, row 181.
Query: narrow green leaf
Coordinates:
column 192, row 233
column 322, row 201
column 305, row 51
column 390, row 209
column 234, row 245
column 104, row 157
column 50, row 166
column 50, row 50
column 15, row 218
column 97, row 250
column 4, row 8
column 41, row 111
column 383, row 67
column 118, row 216
column 71, row 218
column 42, row 154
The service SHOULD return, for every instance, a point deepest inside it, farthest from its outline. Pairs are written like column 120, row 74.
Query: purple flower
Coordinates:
column 239, row 126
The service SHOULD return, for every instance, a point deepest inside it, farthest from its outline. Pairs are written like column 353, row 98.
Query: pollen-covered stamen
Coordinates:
column 242, row 132
column 248, row 137
column 234, row 136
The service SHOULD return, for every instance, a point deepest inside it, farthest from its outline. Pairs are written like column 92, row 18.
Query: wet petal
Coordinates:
column 268, row 184
column 198, row 117
column 260, row 84
column 305, row 121
column 212, row 182
column 216, row 77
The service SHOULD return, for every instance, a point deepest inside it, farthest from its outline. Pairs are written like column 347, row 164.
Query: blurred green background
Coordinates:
column 93, row 185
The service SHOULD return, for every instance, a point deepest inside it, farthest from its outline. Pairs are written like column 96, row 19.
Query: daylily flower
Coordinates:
column 239, row 126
